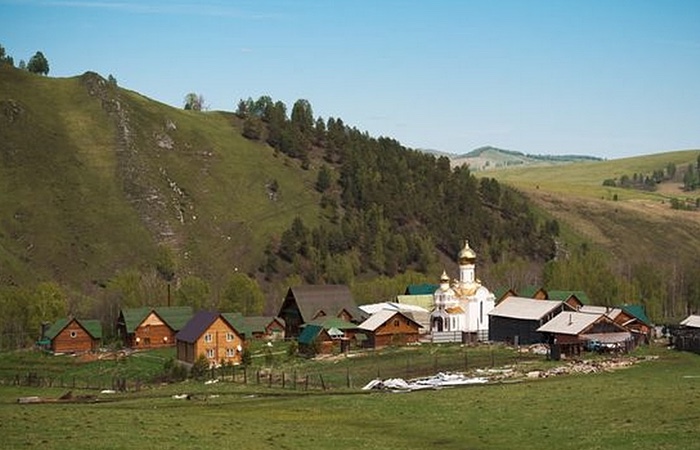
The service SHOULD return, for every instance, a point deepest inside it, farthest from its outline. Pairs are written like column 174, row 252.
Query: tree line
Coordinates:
column 37, row 63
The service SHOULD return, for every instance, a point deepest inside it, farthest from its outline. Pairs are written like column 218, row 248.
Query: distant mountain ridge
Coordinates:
column 488, row 157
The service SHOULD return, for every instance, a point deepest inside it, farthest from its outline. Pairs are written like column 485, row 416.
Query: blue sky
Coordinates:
column 607, row 78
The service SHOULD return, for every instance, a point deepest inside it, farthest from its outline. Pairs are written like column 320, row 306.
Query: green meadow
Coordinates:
column 653, row 404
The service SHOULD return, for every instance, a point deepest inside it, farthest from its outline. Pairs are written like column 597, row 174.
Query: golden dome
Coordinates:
column 467, row 255
column 444, row 278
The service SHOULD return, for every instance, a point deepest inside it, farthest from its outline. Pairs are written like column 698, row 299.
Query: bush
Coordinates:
column 200, row 367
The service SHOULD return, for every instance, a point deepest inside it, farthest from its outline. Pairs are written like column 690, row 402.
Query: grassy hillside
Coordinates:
column 634, row 225
column 95, row 179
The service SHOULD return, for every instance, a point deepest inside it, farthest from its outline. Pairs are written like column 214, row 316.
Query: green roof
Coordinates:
column 237, row 320
column 332, row 322
column 93, row 327
column 564, row 295
column 528, row 291
column 174, row 316
column 421, row 289
column 309, row 334
column 638, row 312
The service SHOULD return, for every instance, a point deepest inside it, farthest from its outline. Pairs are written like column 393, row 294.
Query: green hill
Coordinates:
column 490, row 158
column 95, row 179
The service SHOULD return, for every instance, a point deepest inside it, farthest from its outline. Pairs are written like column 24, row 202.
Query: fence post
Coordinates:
column 466, row 360
column 283, row 379
column 492, row 361
column 347, row 376
column 306, row 382
column 245, row 375
column 323, row 384
column 294, row 380
column 269, row 379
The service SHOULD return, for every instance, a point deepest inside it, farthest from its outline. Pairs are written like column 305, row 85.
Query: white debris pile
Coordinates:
column 441, row 380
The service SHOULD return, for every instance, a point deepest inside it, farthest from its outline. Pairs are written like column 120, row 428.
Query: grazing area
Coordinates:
column 653, row 404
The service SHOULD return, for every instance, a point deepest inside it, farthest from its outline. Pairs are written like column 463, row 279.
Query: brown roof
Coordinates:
column 331, row 299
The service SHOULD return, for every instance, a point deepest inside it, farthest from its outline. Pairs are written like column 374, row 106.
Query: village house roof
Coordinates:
column 424, row 301
column 691, row 321
column 421, row 289
column 329, row 299
column 606, row 310
column 199, row 323
column 565, row 295
column 309, row 334
column 247, row 325
column 174, row 316
column 531, row 291
column 92, row 327
column 381, row 317
column 637, row 311
column 568, row 322
column 332, row 322
column 524, row 308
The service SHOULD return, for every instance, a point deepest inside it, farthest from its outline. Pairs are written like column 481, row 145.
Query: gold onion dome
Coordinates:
column 467, row 255
column 444, row 278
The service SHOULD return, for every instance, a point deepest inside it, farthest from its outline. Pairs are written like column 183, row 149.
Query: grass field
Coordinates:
column 651, row 405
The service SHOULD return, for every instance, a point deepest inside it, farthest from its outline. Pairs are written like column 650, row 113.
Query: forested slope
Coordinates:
column 110, row 199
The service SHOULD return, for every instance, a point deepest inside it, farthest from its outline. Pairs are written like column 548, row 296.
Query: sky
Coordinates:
column 609, row 78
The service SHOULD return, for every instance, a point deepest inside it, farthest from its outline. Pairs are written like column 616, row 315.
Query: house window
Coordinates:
column 230, row 352
column 73, row 334
column 229, row 337
column 207, row 337
column 210, row 353
column 396, row 322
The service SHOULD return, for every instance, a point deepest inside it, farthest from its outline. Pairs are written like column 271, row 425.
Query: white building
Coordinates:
column 461, row 307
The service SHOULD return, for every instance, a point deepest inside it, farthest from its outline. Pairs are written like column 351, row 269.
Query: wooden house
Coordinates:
column 257, row 327
column 303, row 304
column 516, row 319
column 70, row 335
column 209, row 334
column 316, row 340
column 533, row 292
column 572, row 332
column 144, row 328
column 387, row 327
column 575, row 299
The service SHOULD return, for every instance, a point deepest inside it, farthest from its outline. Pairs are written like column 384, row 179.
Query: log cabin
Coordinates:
column 145, row 328
column 71, row 335
column 303, row 304
column 387, row 327
column 211, row 335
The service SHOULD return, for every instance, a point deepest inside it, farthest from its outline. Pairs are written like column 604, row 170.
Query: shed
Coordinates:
column 417, row 313
column 210, row 334
column 71, row 335
column 516, row 319
column 302, row 304
column 386, row 327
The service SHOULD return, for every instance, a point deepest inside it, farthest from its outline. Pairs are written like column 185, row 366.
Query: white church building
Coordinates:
column 461, row 307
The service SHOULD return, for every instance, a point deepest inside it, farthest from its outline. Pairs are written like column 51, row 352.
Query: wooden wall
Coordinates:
column 73, row 338
column 218, row 331
column 153, row 333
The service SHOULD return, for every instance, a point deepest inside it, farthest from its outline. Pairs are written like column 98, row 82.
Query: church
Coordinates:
column 461, row 307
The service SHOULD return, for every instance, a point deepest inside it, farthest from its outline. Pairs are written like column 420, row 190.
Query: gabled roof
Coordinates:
column 691, row 321
column 248, row 325
column 174, row 316
column 572, row 323
column 501, row 291
column 565, row 295
column 637, row 311
column 381, row 317
column 530, row 291
column 421, row 289
column 309, row 334
column 199, row 323
column 606, row 310
column 331, row 299
column 92, row 327
column 524, row 308
column 392, row 306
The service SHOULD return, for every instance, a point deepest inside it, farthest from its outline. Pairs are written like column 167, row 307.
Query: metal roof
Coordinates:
column 92, row 327
column 421, row 289
column 608, row 311
column 524, row 308
column 381, row 317
column 199, row 323
column 174, row 316
column 565, row 295
column 568, row 322
column 331, row 299
column 309, row 334
column 691, row 321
